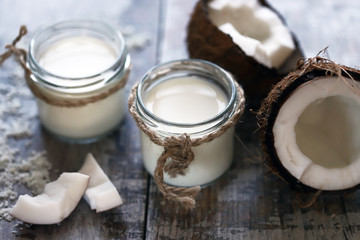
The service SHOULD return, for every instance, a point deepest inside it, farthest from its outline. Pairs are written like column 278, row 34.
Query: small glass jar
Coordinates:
column 87, row 102
column 212, row 158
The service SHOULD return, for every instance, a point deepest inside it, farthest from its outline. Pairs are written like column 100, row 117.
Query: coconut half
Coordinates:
column 57, row 201
column 101, row 193
column 246, row 37
column 310, row 127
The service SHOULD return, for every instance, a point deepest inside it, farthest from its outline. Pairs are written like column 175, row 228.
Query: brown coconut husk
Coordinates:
column 206, row 41
column 307, row 70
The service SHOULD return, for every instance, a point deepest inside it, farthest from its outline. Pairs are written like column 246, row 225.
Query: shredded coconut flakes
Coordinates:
column 16, row 129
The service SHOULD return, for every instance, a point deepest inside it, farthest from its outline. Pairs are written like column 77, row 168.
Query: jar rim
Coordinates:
column 183, row 63
column 94, row 26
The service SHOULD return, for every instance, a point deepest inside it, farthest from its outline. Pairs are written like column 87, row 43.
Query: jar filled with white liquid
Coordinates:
column 78, row 72
column 191, row 98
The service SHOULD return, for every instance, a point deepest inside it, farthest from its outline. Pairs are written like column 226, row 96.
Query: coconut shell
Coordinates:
column 206, row 41
column 270, row 107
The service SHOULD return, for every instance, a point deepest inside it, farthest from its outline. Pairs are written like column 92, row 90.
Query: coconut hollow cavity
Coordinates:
column 247, row 38
column 310, row 130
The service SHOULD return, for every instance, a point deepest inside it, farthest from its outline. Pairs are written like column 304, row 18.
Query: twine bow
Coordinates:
column 12, row 49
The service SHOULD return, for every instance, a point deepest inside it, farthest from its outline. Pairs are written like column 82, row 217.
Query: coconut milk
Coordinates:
column 77, row 57
column 190, row 100
column 80, row 123
column 186, row 100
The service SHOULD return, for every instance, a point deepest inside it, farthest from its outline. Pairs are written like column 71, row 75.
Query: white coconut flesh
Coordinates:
column 101, row 193
column 256, row 29
column 317, row 134
column 57, row 201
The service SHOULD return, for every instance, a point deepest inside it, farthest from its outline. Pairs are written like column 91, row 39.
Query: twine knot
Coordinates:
column 179, row 149
column 174, row 160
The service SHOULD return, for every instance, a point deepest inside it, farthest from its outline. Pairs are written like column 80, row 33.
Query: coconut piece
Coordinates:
column 101, row 193
column 310, row 130
column 56, row 203
column 247, row 38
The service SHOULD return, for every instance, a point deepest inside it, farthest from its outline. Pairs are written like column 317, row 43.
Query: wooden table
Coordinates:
column 248, row 202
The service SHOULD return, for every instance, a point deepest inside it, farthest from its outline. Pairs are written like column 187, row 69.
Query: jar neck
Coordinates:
column 185, row 68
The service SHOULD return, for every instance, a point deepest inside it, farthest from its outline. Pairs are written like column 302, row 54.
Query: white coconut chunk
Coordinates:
column 101, row 193
column 264, row 14
column 57, row 201
column 250, row 46
column 220, row 4
column 249, row 24
column 317, row 134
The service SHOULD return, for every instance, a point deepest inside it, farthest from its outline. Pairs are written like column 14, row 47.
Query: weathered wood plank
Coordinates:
column 119, row 153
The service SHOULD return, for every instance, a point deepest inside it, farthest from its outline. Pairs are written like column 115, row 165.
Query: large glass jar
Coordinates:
column 192, row 97
column 78, row 70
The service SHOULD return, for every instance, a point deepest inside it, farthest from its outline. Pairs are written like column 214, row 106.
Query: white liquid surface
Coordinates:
column 190, row 100
column 186, row 100
column 77, row 57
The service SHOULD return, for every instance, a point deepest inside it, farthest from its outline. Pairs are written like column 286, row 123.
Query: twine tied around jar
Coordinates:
column 177, row 154
column 21, row 56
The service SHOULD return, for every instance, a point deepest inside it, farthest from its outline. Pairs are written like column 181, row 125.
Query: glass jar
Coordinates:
column 211, row 159
column 79, row 68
